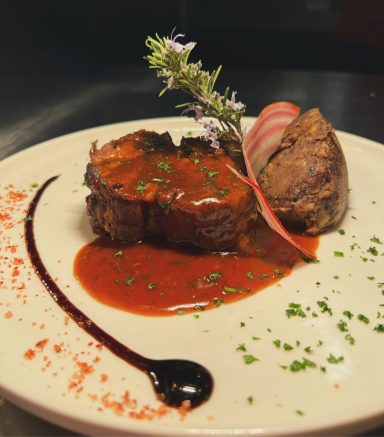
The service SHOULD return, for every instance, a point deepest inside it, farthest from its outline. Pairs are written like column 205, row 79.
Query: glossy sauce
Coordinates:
column 155, row 279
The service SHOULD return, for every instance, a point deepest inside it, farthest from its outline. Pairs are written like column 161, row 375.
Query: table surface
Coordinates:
column 45, row 103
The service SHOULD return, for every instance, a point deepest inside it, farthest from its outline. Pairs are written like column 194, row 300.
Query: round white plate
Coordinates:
column 69, row 380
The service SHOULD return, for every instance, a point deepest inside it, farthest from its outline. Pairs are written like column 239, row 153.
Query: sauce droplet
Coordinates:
column 175, row 381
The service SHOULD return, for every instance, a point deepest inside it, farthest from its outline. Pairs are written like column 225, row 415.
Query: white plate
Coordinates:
column 347, row 397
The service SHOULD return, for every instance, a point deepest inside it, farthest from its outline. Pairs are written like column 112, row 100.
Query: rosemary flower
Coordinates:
column 170, row 58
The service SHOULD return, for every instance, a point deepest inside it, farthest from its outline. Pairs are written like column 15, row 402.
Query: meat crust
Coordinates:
column 143, row 185
column 306, row 181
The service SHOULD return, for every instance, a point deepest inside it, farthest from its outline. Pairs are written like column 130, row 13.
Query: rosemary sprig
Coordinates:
column 170, row 58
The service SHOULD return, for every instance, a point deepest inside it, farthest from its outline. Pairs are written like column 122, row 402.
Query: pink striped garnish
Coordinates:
column 264, row 137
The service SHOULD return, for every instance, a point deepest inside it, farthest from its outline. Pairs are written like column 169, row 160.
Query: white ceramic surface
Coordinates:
column 346, row 397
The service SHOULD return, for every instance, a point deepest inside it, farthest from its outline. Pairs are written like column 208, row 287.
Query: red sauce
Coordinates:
column 155, row 279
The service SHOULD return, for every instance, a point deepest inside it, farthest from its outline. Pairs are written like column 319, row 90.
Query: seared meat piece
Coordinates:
column 306, row 181
column 143, row 185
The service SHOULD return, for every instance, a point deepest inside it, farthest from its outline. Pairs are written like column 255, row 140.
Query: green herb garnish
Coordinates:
column 249, row 359
column 212, row 173
column 171, row 60
column 214, row 276
column 295, row 310
column 164, row 166
column 232, row 289
column 141, row 185
column 338, row 253
column 335, row 360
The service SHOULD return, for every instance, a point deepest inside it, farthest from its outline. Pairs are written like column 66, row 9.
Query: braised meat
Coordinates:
column 143, row 185
column 306, row 181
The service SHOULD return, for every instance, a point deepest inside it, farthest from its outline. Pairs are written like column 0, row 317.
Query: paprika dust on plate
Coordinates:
column 155, row 279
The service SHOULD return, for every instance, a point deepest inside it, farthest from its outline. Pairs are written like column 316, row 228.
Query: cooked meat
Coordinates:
column 306, row 181
column 143, row 185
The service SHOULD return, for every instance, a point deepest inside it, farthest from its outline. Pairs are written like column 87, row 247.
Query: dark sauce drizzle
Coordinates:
column 175, row 381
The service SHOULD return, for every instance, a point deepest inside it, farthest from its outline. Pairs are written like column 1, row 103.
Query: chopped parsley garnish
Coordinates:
column 165, row 204
column 129, row 281
column 363, row 318
column 287, row 347
column 232, row 289
column 341, row 231
column 180, row 312
column 151, row 286
column 214, row 276
column 342, row 326
column 297, row 366
column 277, row 343
column 335, row 360
column 141, row 185
column 251, row 275
column 324, row 307
column 164, row 166
column 217, row 301
column 212, row 173
column 376, row 240
column 241, row 347
column 338, row 253
column 250, row 400
column 263, row 276
column 373, row 251
column 103, row 182
column 203, row 167
column 350, row 339
column 223, row 192
column 28, row 218
column 249, row 359
column 348, row 314
column 295, row 310
column 118, row 253
column 379, row 328
column 34, row 185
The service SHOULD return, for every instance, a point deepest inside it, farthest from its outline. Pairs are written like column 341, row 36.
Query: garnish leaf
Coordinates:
column 171, row 60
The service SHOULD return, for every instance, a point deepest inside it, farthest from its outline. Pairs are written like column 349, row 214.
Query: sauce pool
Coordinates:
column 154, row 279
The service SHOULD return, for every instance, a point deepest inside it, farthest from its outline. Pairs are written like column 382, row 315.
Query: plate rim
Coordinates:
column 365, row 422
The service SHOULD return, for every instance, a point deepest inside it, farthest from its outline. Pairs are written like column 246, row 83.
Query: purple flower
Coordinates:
column 176, row 46
column 211, row 133
column 235, row 106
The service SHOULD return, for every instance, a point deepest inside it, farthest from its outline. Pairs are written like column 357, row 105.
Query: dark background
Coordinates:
column 67, row 65
column 343, row 35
